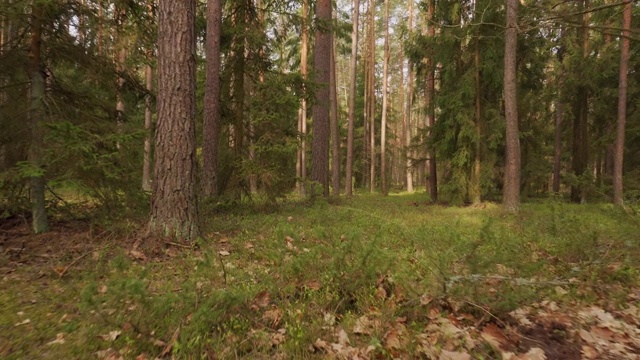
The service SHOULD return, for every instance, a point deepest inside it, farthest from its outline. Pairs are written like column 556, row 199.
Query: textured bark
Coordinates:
column 335, row 126
column 36, row 117
column 211, row 121
column 557, row 147
column 322, row 65
column 511, row 191
column 174, row 210
column 353, row 61
column 618, row 195
column 148, row 122
column 580, row 149
column 385, row 100
column 431, row 118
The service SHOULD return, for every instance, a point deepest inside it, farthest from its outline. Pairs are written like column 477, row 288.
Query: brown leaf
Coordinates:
column 494, row 336
column 343, row 338
column 138, row 255
column 174, row 338
column 111, row 336
column 262, row 300
column 391, row 340
column 313, row 285
column 272, row 317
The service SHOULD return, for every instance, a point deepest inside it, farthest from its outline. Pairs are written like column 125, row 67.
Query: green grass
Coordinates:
column 317, row 268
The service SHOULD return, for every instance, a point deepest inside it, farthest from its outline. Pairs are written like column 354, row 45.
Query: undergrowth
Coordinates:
column 265, row 285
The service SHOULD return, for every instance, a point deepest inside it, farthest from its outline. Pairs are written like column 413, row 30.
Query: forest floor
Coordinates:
column 364, row 278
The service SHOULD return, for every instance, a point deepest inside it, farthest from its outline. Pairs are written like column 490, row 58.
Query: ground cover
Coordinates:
column 370, row 278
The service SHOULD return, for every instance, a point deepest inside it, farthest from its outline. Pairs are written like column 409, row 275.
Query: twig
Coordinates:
column 64, row 271
column 500, row 321
column 179, row 245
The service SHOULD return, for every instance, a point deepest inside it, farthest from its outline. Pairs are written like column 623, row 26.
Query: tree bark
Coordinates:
column 431, row 118
column 174, row 211
column 511, row 194
column 408, row 112
column 211, row 121
column 322, row 65
column 335, row 126
column 385, row 100
column 618, row 195
column 302, row 152
column 353, row 62
column 40, row 223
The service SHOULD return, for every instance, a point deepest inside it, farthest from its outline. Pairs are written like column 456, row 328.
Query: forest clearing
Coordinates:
column 293, row 179
column 369, row 278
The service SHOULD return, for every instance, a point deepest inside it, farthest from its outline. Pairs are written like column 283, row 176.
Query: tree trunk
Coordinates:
column 322, row 65
column 335, row 126
column 372, row 97
column 618, row 195
column 302, row 156
column 385, row 100
column 408, row 112
column 511, row 195
column 353, row 62
column 36, row 117
column 431, row 118
column 174, row 211
column 580, row 112
column 211, row 123
column 557, row 147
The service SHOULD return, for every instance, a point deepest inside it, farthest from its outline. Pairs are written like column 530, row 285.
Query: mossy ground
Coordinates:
column 270, row 284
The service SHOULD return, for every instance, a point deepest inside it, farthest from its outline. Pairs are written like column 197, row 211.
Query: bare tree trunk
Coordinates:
column 371, row 95
column 557, row 148
column 431, row 154
column 174, row 211
column 322, row 65
column 211, row 121
column 618, row 194
column 303, row 104
column 408, row 112
column 36, row 117
column 335, row 126
column 511, row 195
column 385, row 100
column 348, row 187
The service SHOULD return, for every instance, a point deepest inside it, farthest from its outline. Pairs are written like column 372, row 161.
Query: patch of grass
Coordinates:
column 295, row 274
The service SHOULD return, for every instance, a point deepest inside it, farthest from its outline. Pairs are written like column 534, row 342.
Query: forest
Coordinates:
column 361, row 179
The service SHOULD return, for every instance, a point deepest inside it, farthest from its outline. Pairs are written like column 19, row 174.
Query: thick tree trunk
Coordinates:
column 174, row 211
column 211, row 123
column 618, row 195
column 36, row 117
column 511, row 195
column 322, row 65
column 431, row 118
column 353, row 61
column 335, row 126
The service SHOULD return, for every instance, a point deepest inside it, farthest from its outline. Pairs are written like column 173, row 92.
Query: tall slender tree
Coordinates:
column 431, row 116
column 353, row 61
column 385, row 100
column 174, row 211
column 211, row 123
column 322, row 65
column 335, row 125
column 36, row 118
column 511, row 195
column 618, row 195
column 408, row 112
